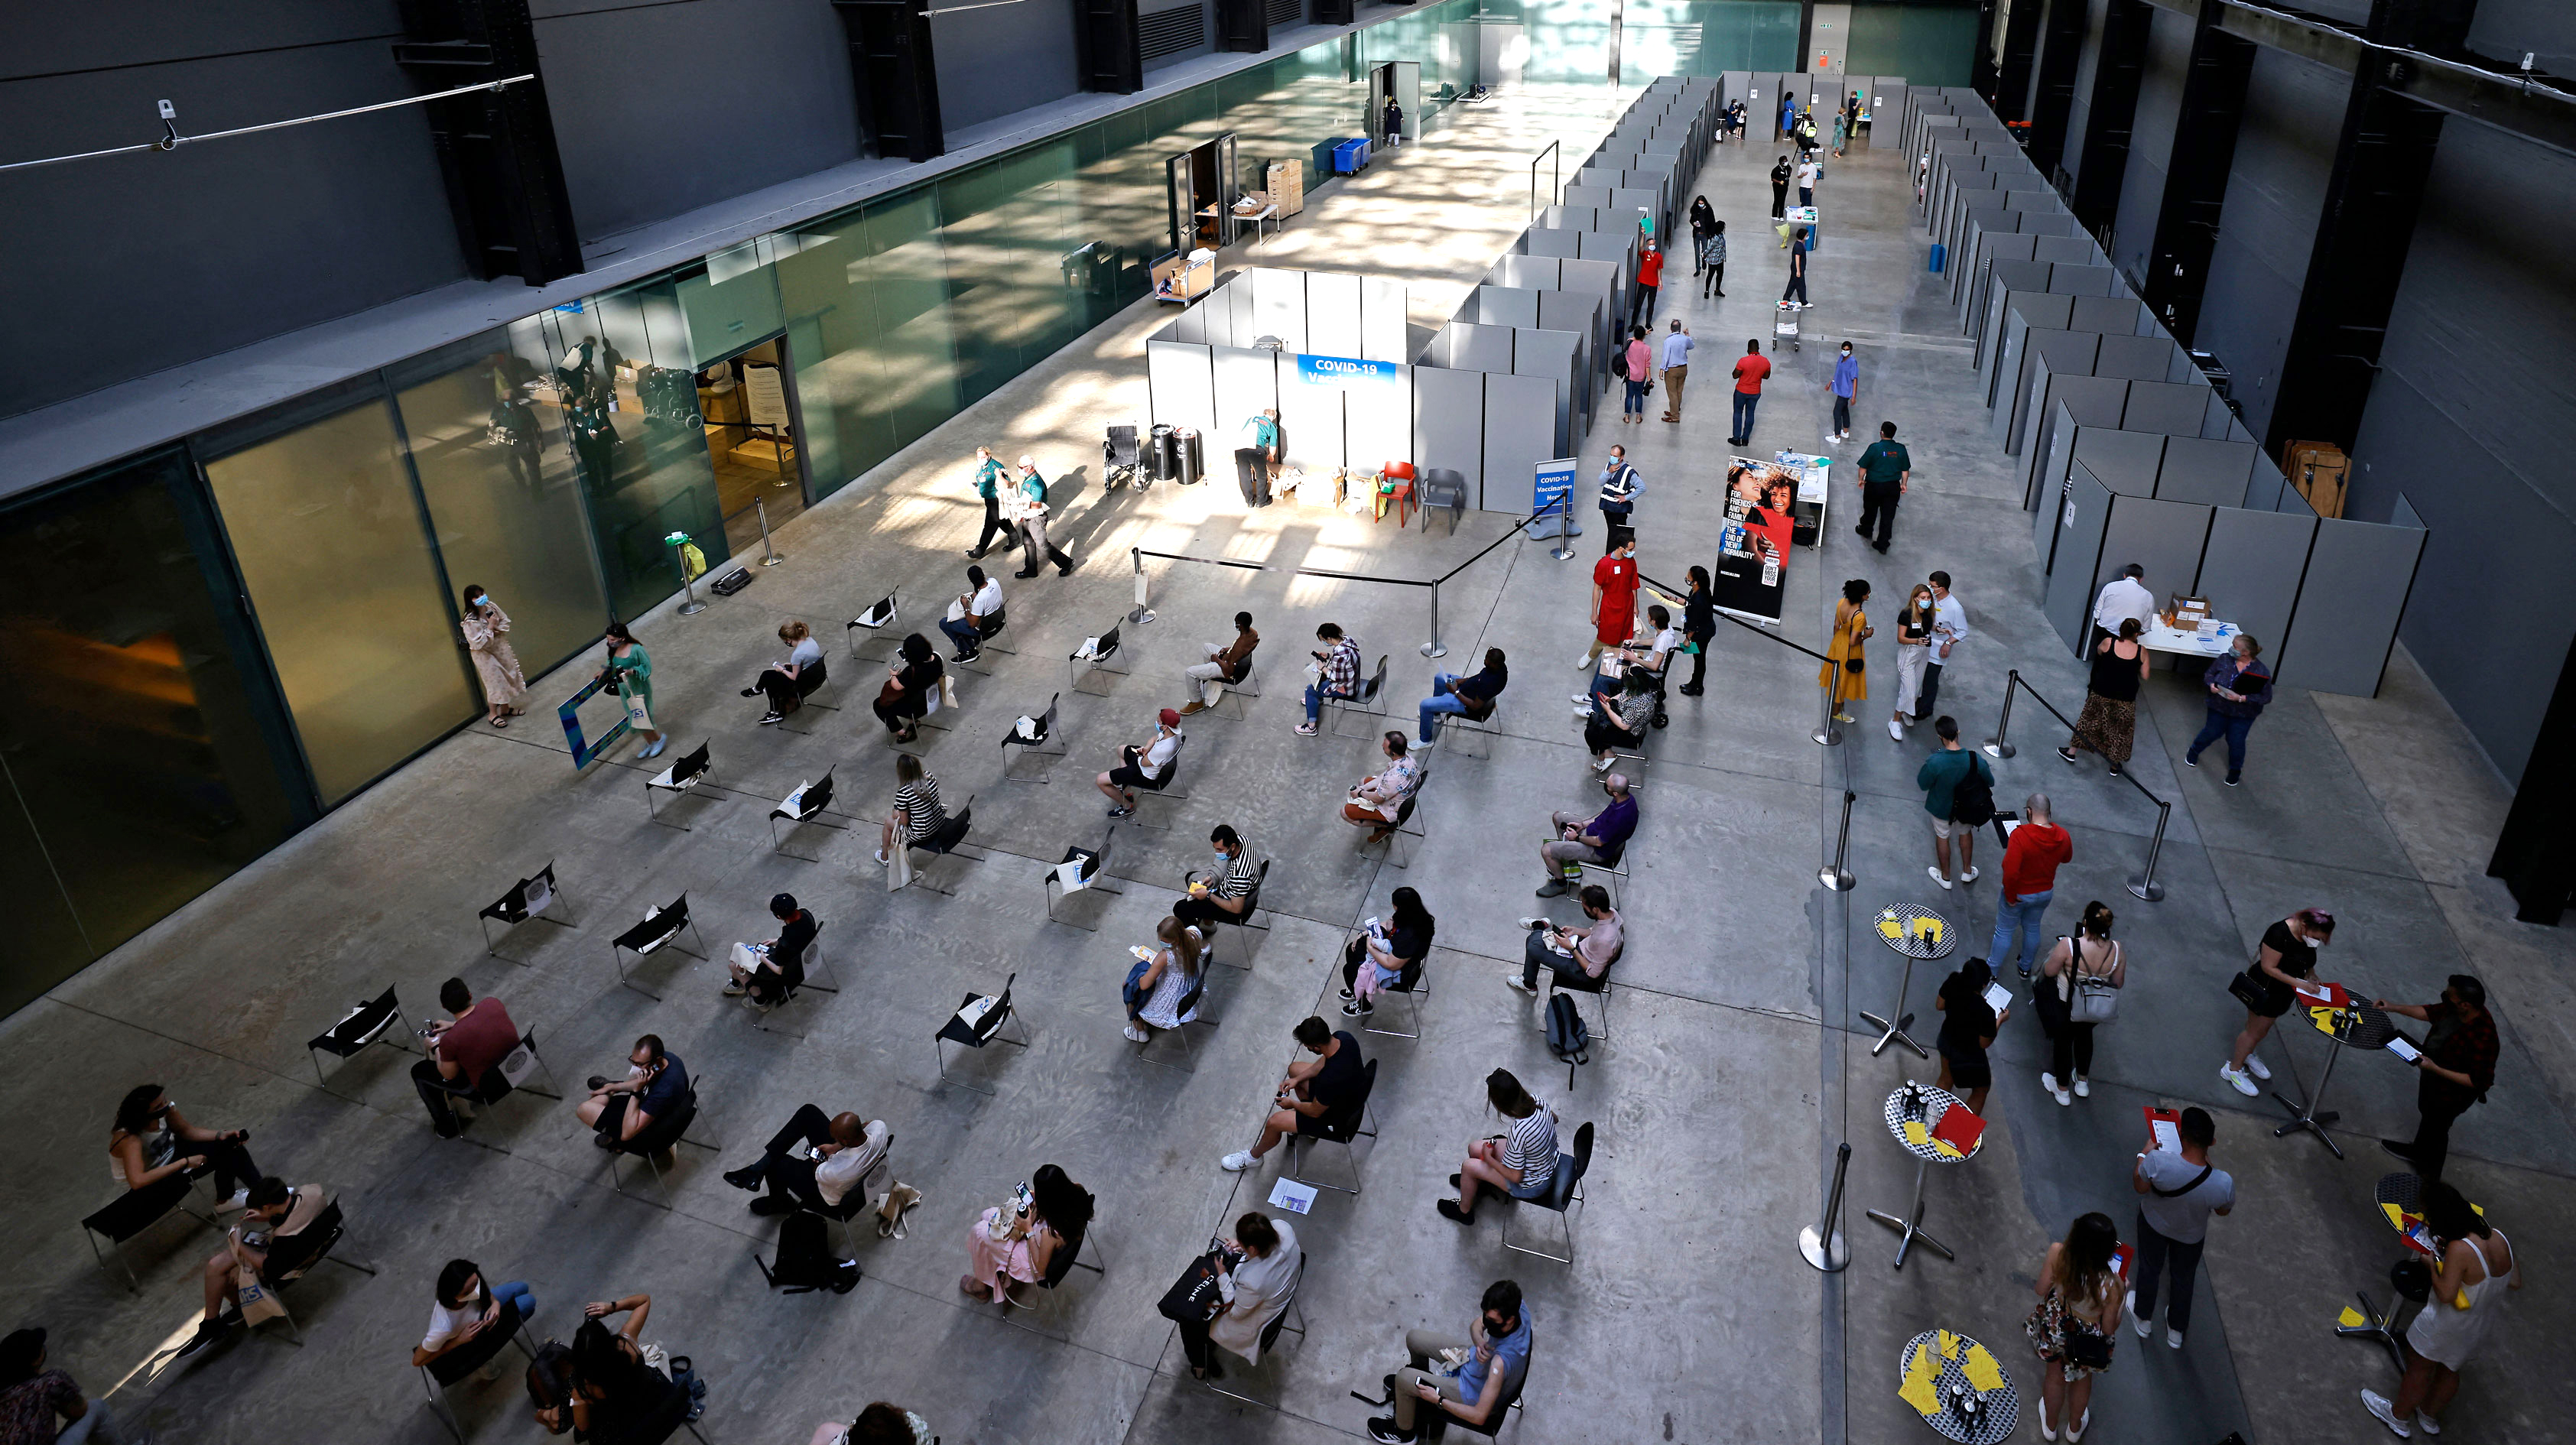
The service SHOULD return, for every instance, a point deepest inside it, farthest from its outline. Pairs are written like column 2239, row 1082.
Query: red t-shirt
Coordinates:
column 1650, row 269
column 480, row 1039
column 2030, row 861
column 1617, row 579
column 1749, row 373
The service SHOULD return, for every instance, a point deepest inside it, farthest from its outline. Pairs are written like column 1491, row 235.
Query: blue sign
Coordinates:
column 583, row 753
column 1552, row 498
column 1344, row 371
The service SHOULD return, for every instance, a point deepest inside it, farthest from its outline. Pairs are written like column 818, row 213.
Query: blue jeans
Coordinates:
column 1315, row 701
column 2026, row 911
column 1636, row 402
column 961, row 632
column 514, row 1295
column 1442, row 700
column 1744, row 404
column 2233, row 729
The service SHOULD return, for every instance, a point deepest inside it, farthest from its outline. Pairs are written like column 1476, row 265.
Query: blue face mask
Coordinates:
column 1222, row 859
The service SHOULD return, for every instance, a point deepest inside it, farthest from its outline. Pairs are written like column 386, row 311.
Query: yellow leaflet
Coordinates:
column 1946, row 1150
column 1949, row 1345
column 2350, row 1317
column 1915, row 1133
column 1891, row 928
column 1918, row 1391
column 2396, row 1216
column 1984, row 1374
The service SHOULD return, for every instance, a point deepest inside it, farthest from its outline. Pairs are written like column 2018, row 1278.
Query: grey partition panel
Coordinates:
column 1246, row 381
column 2046, row 224
column 2028, row 311
column 2163, row 537
column 1551, row 241
column 2069, row 280
column 1520, row 432
column 2213, row 473
column 1632, row 201
column 1449, row 422
column 2060, row 404
column 2160, row 405
column 1600, row 173
column 1985, row 238
column 2079, row 250
column 2215, row 418
column 2139, row 358
column 1506, row 306
column 1566, row 218
column 1190, row 326
column 1580, row 314
column 2069, row 351
column 1332, row 313
column 2350, row 602
column 2263, row 488
column 1530, row 273
column 2001, row 281
column 2250, row 570
column 2110, row 315
column 1180, row 385
column 1616, row 247
column 1477, row 348
column 1310, row 423
column 1386, row 318
column 1553, row 354
column 1595, row 196
column 2082, row 511
column 1603, row 280
column 2126, row 462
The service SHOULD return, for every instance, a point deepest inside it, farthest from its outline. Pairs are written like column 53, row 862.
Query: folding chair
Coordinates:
column 942, row 697
column 662, row 1136
column 133, row 1212
column 811, row 964
column 1597, row 987
column 326, row 1231
column 1341, row 1130
column 1090, row 871
column 1457, row 725
column 1370, row 701
column 364, row 1024
column 1059, row 1268
column 881, row 616
column 974, row 1027
column 1184, row 1011
column 1404, row 814
column 1271, row 1331
column 945, row 842
column 985, row 631
column 451, row 1369
column 1045, row 737
column 1250, row 686
column 682, row 776
column 1415, row 985
column 1162, row 789
column 1436, row 1422
column 854, row 1201
column 528, row 898
column 1096, row 651
column 1251, row 905
column 508, row 1077
column 806, row 804
column 661, row 926
column 1564, row 1188
column 1614, row 867
column 809, row 697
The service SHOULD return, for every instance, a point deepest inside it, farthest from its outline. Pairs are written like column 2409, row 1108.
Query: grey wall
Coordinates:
column 2276, row 189
column 136, row 263
column 1002, row 58
column 2151, row 136
column 2087, row 64
column 662, row 108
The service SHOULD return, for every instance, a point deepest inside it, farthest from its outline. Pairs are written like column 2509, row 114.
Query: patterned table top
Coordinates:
column 1970, row 1398
column 1914, row 932
column 1932, row 1102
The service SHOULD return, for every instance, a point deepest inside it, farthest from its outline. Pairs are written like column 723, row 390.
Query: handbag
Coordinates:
column 2097, row 999
column 2086, row 1347
column 258, row 1306
column 1194, row 1297
column 2249, row 990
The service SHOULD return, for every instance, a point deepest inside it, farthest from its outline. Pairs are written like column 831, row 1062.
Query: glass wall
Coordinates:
column 1928, row 44
column 137, row 767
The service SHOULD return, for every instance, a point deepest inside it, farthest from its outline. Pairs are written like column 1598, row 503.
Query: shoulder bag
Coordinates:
column 2097, row 998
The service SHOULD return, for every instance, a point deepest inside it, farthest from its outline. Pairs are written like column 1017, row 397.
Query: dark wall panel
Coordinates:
column 2085, row 66
column 661, row 108
column 2276, row 189
column 2142, row 192
column 1003, row 58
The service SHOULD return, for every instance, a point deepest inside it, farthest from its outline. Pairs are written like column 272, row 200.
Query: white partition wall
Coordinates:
column 1385, row 315
column 1332, row 314
column 1247, row 381
column 1377, row 420
column 1278, row 307
column 1310, row 421
column 1180, row 380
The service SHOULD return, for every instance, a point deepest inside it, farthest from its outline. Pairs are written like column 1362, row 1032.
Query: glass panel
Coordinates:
column 1003, row 232
column 623, row 394
column 915, row 347
column 824, row 290
column 327, row 533
column 130, row 738
column 503, row 500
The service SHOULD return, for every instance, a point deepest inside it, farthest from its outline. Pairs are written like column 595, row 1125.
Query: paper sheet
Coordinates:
column 1921, row 1371
column 2167, row 1135
column 1984, row 1373
column 1947, row 1343
column 1997, row 997
column 1068, row 875
column 1292, row 1196
column 1916, row 1134
column 2350, row 1318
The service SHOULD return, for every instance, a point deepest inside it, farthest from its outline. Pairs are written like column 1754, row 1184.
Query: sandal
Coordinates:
column 500, row 722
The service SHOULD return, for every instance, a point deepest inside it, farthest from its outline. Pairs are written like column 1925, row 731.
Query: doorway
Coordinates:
column 1400, row 80
column 1200, row 186
column 755, row 441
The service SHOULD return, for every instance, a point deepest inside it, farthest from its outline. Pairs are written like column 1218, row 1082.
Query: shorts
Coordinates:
column 1127, row 775
column 1533, row 1191
column 1945, row 828
column 1969, row 1068
column 1310, row 1125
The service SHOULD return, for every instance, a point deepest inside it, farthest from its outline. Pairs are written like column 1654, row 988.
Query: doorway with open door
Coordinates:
column 755, row 441
column 1398, row 82
column 1200, row 187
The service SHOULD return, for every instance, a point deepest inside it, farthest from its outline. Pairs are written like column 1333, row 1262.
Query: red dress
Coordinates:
column 1617, row 579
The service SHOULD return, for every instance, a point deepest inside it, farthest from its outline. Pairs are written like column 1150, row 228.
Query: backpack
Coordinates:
column 1619, row 363
column 1972, row 801
column 805, row 1259
column 1568, row 1038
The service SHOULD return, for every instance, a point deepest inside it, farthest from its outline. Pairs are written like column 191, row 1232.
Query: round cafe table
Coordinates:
column 1922, row 1104
column 2403, row 1193
column 1964, row 1412
column 2354, row 1026
column 1916, row 933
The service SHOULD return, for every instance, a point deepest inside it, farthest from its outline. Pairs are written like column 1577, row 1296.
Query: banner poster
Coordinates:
column 1753, row 548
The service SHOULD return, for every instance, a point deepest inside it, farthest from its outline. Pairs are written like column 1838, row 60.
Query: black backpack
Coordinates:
column 1619, row 362
column 1568, row 1038
column 805, row 1259
column 1973, row 801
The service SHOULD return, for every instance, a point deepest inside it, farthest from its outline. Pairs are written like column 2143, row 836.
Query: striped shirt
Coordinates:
column 1532, row 1147
column 1237, row 879
column 919, row 803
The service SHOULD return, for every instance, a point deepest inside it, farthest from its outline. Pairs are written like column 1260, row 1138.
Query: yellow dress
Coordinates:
column 1849, row 621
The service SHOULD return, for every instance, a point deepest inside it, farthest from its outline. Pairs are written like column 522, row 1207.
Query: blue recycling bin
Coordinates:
column 1350, row 156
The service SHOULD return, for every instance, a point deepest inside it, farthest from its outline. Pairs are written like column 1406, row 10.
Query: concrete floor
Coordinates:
column 1731, row 1074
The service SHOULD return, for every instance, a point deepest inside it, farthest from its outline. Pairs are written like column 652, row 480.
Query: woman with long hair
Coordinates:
column 2109, row 723
column 917, row 812
column 1699, row 628
column 1968, row 1028
column 1703, row 224
column 630, row 673
column 1521, row 1164
column 1913, row 653
column 496, row 665
column 910, row 680
column 2455, row 1322
column 151, row 1140
column 2075, row 1323
column 2085, row 958
column 1843, row 671
column 1156, row 988
column 2286, row 956
column 1383, row 953
column 1020, row 1249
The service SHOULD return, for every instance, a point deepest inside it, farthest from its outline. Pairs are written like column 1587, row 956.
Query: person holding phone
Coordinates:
column 1315, row 1090
column 1970, row 1019
column 2455, row 1068
column 152, row 1140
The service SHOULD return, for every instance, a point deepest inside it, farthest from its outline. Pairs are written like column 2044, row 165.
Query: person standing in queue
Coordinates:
column 1780, row 190
column 1703, row 224
column 2286, row 956
column 1699, row 629
column 1750, row 369
column 2456, row 1068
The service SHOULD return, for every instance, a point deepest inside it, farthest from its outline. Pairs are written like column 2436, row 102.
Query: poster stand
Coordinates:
column 1552, row 495
column 1753, row 547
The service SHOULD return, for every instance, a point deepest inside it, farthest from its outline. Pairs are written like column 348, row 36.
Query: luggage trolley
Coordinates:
column 1785, row 326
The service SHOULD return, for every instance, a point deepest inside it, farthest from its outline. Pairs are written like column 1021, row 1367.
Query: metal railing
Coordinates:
column 1826, row 734
column 2144, row 885
column 1556, row 177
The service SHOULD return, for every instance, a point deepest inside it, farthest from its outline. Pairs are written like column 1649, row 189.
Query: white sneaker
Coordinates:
column 1535, row 922
column 2237, row 1080
column 1602, row 765
column 1135, row 1035
column 2083, row 1087
column 2046, row 1430
column 2173, row 1341
column 1583, row 700
column 2048, row 1081
column 2378, row 1405
column 1584, row 660
column 1894, row 731
column 1938, row 877
column 1236, row 1162
column 2075, row 1431
column 2427, row 1423
column 1968, row 877
column 2254, row 1066
column 1513, row 978
column 2145, row 1327
column 881, row 858
column 2065, row 1100
column 240, row 1200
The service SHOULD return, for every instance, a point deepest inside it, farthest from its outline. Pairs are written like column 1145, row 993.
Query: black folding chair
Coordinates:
column 809, row 688
column 945, row 842
column 1458, row 725
column 661, row 1136
column 133, row 1212
column 1403, row 828
column 1242, row 921
column 1099, row 651
column 1564, row 1189
column 977, row 1031
column 1067, row 1259
column 508, row 1077
column 364, row 1024
column 1579, row 982
column 794, row 981
column 1091, row 871
column 1414, row 982
column 316, row 1241
column 985, row 631
column 1340, row 1129
column 1248, row 686
column 1443, row 489
column 681, row 777
column 527, row 899
column 876, row 621
column 1370, row 701
column 1161, row 787
column 1188, row 1005
column 1270, row 1332
column 1047, row 737
column 807, row 804
column 451, row 1369
column 661, row 928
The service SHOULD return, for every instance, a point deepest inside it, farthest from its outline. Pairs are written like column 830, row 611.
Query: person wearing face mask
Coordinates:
column 2455, row 1069
column 1600, row 838
column 630, row 672
column 496, row 666
column 1220, row 896
column 2286, row 956
column 2238, row 687
column 1780, row 190
column 1845, row 387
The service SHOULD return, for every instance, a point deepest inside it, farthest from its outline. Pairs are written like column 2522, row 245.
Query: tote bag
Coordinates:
column 2097, row 1000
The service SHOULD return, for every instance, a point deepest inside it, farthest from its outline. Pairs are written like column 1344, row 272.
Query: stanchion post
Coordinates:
column 2145, row 885
column 688, row 585
column 1823, row 1245
column 2000, row 745
column 1564, row 517
column 1435, row 648
column 1138, row 614
column 769, row 549
column 1826, row 734
column 1836, row 875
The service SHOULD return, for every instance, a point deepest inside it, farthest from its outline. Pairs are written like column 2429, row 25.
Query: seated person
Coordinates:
column 1142, row 765
column 789, row 683
column 1226, row 662
column 1651, row 650
column 1520, row 1164
column 1048, row 1213
column 1222, row 895
column 1579, row 955
column 1336, row 674
column 463, row 1050
column 777, row 967
column 1316, row 1090
column 655, row 1084
column 550, row 1392
column 1596, row 839
column 32, row 1398
column 917, row 814
column 1161, row 979
column 974, row 616
column 910, row 680
column 1621, row 724
column 1468, row 697
column 1378, row 798
column 152, row 1140
column 838, row 1153
column 464, row 1308
column 1497, row 1360
column 268, row 1242
column 1257, row 1272
column 617, row 1397
column 878, row 1424
column 1386, row 953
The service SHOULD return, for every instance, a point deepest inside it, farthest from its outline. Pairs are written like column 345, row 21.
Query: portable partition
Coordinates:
column 2064, row 401
column 2211, row 471
column 2073, row 525
column 1449, row 424
column 1501, row 306
column 1635, row 201
column 1245, row 381
column 1594, row 196
column 1985, row 240
column 1617, row 248
column 1180, row 384
column 1920, row 147
column 1367, row 314
column 1599, row 285
column 1999, row 282
column 2061, row 350
column 2009, row 370
column 2250, row 571
column 1561, row 242
column 1579, row 314
column 2064, row 279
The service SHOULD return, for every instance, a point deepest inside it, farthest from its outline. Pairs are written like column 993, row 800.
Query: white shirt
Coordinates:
column 1158, row 753
column 1677, row 349
column 2123, row 598
column 1949, row 625
column 446, row 1324
column 834, row 1176
column 988, row 598
column 1807, row 173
